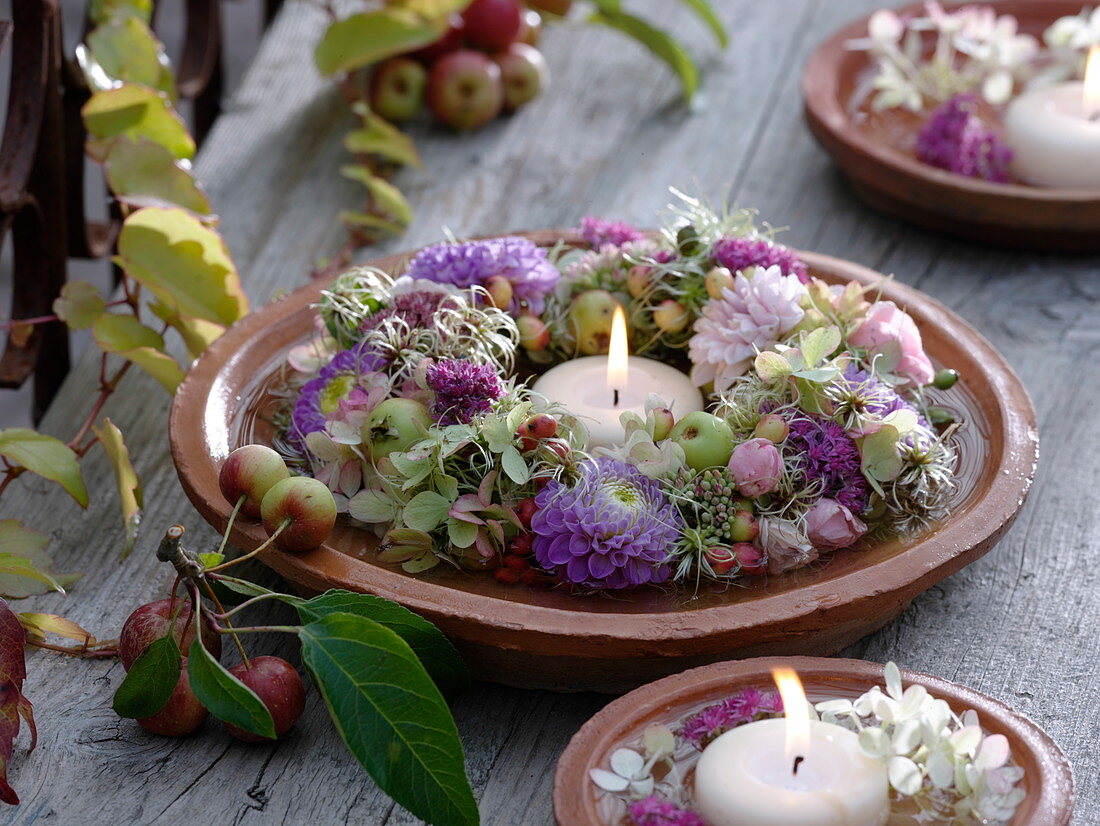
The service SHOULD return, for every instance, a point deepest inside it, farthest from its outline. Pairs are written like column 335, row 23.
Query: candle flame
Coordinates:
column 1092, row 84
column 618, row 353
column 797, row 712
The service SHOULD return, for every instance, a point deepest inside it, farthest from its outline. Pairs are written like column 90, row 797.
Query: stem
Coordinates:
column 248, row 604
column 286, row 522
column 259, row 629
column 228, row 624
column 232, row 517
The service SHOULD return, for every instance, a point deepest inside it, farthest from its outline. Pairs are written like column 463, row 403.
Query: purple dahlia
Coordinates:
column 741, row 253
column 654, row 811
column 826, row 455
column 472, row 263
column 321, row 396
column 750, row 704
column 463, row 390
column 614, row 528
column 955, row 138
column 600, row 233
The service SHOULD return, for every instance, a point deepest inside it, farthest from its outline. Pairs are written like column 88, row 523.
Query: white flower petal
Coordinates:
column 608, row 781
column 626, row 762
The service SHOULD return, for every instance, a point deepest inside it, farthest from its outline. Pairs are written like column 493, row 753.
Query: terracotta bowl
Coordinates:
column 1048, row 779
column 562, row 641
column 890, row 179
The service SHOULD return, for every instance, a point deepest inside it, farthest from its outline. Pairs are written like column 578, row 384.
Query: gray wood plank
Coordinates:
column 1020, row 625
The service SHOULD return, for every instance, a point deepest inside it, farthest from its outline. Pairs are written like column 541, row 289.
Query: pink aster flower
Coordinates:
column 755, row 314
column 956, row 139
column 653, row 811
column 598, row 232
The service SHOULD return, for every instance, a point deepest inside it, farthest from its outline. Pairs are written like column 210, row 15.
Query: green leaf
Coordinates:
column 50, row 458
column 881, row 460
column 659, row 43
column 18, row 581
column 183, row 263
column 426, row 511
column 143, row 173
column 461, row 534
column 369, row 37
column 150, row 681
column 211, row 559
column 819, row 344
column 242, row 586
column 514, row 465
column 386, row 196
column 391, row 716
column 104, row 11
column 126, row 50
column 706, row 12
column 380, row 137
column 224, row 696
column 129, row 486
column 434, row 650
column 372, row 507
column 197, row 333
column 79, row 305
column 125, row 336
column 771, row 367
column 365, row 220
column 135, row 112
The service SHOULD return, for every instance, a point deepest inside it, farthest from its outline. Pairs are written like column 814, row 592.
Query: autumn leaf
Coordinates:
column 25, row 567
column 13, row 705
column 129, row 486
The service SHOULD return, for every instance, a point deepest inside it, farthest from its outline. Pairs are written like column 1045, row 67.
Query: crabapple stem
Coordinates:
column 229, row 626
column 170, row 550
column 232, row 518
column 246, row 604
column 285, row 523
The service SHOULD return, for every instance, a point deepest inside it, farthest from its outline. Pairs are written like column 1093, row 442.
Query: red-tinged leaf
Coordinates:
column 13, row 705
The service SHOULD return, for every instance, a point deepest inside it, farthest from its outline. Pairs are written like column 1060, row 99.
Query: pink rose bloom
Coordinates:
column 756, row 467
column 786, row 545
column 831, row 526
column 886, row 323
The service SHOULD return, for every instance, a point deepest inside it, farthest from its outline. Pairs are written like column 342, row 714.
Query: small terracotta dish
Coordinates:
column 567, row 641
column 1048, row 779
column 890, row 179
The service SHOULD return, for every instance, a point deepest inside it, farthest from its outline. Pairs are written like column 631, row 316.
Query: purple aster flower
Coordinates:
column 472, row 263
column 653, row 811
column 463, row 390
column 748, row 705
column 599, row 233
column 955, row 138
column 321, row 397
column 827, row 455
column 741, row 253
column 416, row 309
column 613, row 529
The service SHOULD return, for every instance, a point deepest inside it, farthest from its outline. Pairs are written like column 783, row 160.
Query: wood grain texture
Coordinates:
column 1020, row 625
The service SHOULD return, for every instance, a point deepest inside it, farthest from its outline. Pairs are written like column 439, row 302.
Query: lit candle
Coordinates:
column 792, row 771
column 598, row 389
column 1055, row 132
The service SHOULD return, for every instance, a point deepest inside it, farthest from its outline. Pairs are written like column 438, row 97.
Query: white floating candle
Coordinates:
column 792, row 771
column 597, row 389
column 1054, row 132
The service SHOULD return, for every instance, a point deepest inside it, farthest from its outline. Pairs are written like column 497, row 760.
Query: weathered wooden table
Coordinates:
column 1021, row 625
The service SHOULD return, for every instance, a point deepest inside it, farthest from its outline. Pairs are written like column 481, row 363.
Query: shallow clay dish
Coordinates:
column 562, row 641
column 890, row 179
column 1048, row 779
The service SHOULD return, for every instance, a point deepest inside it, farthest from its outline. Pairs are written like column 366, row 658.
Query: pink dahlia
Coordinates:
column 737, row 254
column 755, row 314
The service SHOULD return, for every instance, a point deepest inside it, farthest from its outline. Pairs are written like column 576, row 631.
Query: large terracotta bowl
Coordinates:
column 875, row 157
column 1048, row 779
column 563, row 641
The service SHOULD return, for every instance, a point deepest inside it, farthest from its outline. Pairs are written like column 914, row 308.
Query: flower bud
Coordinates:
column 751, row 558
column 830, row 525
column 756, row 467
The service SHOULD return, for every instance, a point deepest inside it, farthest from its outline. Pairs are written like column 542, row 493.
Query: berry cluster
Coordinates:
column 484, row 64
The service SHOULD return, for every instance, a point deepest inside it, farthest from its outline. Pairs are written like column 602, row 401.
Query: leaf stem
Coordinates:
column 248, row 604
column 286, row 523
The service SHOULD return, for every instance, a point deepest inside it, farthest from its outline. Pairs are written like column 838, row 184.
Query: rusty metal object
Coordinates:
column 32, row 199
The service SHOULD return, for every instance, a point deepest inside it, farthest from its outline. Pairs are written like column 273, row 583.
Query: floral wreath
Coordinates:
column 412, row 405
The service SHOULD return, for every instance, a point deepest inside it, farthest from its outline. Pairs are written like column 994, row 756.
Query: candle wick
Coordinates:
column 797, row 761
column 615, row 396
